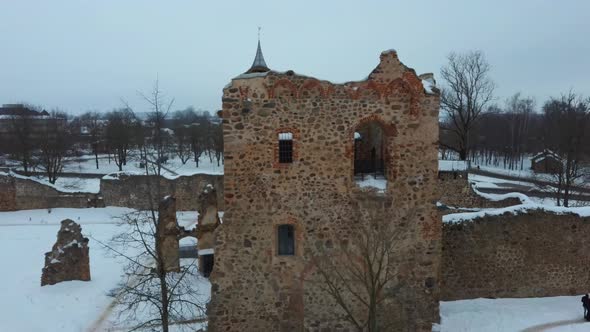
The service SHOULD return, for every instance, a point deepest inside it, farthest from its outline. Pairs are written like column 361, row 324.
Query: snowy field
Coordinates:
column 555, row 314
column 85, row 306
column 68, row 306
column 173, row 167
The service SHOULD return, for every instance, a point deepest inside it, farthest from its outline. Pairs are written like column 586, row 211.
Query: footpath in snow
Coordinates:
column 70, row 306
column 555, row 314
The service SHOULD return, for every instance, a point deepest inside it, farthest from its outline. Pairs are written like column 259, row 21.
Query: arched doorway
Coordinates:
column 369, row 151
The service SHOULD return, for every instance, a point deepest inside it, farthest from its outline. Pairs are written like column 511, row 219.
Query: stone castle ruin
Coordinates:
column 68, row 259
column 309, row 164
column 296, row 152
column 169, row 232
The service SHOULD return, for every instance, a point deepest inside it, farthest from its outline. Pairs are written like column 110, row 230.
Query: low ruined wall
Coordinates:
column 7, row 193
column 17, row 193
column 457, row 192
column 132, row 190
column 526, row 255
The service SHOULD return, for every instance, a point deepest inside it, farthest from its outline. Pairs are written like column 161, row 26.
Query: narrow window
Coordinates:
column 286, row 237
column 285, row 148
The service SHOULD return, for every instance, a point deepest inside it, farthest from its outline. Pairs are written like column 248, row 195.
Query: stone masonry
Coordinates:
column 129, row 190
column 530, row 254
column 20, row 193
column 167, row 234
column 68, row 259
column 457, row 192
column 254, row 288
column 208, row 218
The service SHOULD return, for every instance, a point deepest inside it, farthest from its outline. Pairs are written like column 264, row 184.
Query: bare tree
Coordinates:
column 518, row 111
column 217, row 137
column 182, row 139
column 363, row 273
column 54, row 145
column 153, row 296
column 198, row 139
column 22, row 131
column 92, row 122
column 567, row 133
column 159, row 110
column 119, row 134
column 466, row 96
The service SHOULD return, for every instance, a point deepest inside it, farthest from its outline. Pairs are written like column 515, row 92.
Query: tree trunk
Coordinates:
column 164, row 295
column 96, row 155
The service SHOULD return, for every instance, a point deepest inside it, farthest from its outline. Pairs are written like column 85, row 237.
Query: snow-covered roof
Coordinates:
column 545, row 153
column 452, row 165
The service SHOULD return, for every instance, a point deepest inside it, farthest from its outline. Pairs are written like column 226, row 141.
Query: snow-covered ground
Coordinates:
column 369, row 181
column 486, row 182
column 87, row 165
column 68, row 306
column 173, row 167
column 555, row 314
column 78, row 306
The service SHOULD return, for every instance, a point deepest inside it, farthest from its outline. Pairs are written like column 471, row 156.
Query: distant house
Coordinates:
column 39, row 121
column 546, row 162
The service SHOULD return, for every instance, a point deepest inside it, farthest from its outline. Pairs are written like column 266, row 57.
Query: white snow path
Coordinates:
column 562, row 313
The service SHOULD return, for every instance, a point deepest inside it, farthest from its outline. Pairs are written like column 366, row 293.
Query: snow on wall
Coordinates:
column 527, row 206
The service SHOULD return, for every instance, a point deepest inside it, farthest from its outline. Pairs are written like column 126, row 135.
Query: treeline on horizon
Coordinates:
column 46, row 143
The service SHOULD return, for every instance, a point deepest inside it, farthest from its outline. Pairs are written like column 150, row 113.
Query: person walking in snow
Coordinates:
column 586, row 304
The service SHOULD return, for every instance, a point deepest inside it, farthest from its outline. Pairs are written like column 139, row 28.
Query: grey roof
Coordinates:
column 259, row 65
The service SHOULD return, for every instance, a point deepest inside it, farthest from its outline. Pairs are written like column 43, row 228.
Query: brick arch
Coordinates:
column 353, row 92
column 310, row 84
column 329, row 91
column 286, row 83
column 389, row 132
column 380, row 88
column 403, row 86
column 388, row 128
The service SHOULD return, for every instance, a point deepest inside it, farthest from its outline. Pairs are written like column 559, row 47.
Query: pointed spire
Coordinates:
column 259, row 65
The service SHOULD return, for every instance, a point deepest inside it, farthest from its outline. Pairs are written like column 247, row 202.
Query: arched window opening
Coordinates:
column 286, row 240
column 187, row 247
column 369, row 155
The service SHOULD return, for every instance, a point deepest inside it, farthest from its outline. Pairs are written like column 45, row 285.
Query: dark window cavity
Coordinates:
column 285, row 148
column 286, row 239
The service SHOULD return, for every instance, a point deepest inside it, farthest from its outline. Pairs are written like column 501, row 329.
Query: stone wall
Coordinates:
column 17, row 193
column 254, row 288
column 526, row 255
column 132, row 190
column 7, row 193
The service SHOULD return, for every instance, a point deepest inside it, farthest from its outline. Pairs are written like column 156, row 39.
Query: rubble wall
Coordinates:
column 18, row 193
column 132, row 190
column 525, row 255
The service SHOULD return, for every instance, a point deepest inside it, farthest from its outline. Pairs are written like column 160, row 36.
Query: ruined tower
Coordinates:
column 296, row 188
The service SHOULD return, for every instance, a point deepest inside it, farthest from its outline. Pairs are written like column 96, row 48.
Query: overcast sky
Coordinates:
column 83, row 55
